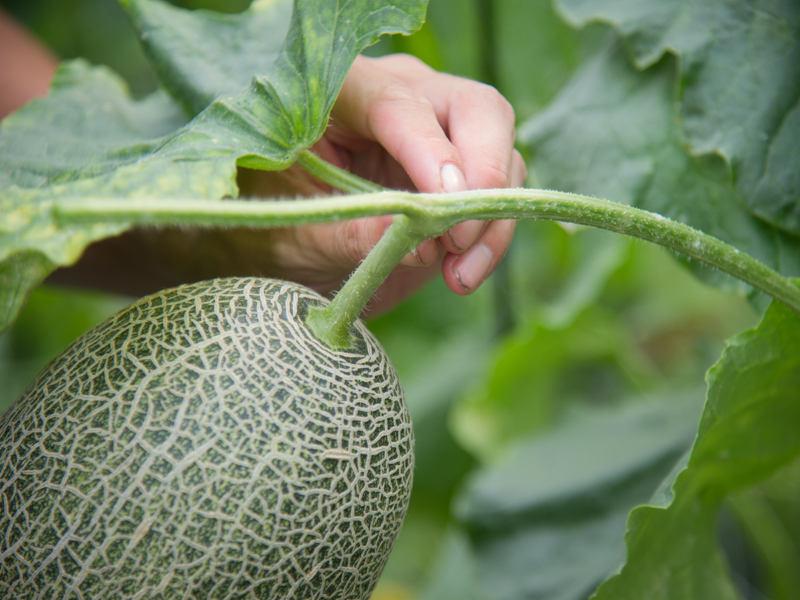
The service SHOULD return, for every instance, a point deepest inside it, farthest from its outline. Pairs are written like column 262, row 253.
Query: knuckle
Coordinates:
column 404, row 61
column 396, row 98
column 347, row 243
column 495, row 101
column 397, row 92
column 494, row 173
column 353, row 241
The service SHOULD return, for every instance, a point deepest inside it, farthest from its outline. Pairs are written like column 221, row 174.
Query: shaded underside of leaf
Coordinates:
column 739, row 85
column 748, row 431
column 85, row 128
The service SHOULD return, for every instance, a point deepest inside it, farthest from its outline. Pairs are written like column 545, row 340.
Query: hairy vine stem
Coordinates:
column 332, row 323
column 336, row 177
column 426, row 216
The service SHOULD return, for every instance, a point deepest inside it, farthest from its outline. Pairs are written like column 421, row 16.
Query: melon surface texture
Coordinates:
column 204, row 444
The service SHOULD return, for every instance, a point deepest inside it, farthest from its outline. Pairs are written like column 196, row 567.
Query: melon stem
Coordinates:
column 332, row 324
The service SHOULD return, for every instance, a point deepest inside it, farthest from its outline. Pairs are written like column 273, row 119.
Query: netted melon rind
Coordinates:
column 204, row 444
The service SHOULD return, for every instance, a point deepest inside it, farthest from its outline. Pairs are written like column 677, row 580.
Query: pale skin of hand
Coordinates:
column 396, row 122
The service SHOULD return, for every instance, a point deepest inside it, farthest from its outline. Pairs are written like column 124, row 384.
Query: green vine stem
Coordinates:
column 336, row 177
column 430, row 215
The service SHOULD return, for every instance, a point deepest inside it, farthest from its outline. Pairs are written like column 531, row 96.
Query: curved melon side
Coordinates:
column 203, row 443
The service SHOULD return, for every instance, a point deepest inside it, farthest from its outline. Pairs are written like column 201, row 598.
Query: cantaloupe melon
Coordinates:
column 203, row 444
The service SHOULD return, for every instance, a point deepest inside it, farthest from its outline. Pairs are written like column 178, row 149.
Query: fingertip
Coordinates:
column 449, row 276
column 465, row 273
column 452, row 179
column 459, row 239
column 423, row 255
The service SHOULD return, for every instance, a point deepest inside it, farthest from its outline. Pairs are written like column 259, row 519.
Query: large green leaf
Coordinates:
column 611, row 133
column 85, row 130
column 739, row 85
column 748, row 432
column 547, row 520
column 88, row 137
column 198, row 55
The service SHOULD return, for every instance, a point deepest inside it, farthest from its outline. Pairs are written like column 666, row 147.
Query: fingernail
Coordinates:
column 473, row 266
column 453, row 179
column 412, row 259
column 464, row 234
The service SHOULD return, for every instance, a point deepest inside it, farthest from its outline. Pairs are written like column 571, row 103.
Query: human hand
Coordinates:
column 399, row 123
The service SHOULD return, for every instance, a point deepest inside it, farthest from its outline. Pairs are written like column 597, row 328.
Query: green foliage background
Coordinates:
column 563, row 394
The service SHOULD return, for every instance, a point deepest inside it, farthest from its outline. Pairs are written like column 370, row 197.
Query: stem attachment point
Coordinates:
column 332, row 323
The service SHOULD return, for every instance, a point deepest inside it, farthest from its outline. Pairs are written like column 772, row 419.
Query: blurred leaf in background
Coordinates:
column 737, row 83
column 52, row 319
column 97, row 30
column 610, row 133
column 606, row 318
column 538, row 372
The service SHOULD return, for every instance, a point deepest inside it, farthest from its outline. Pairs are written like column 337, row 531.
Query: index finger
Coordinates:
column 376, row 104
column 479, row 122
